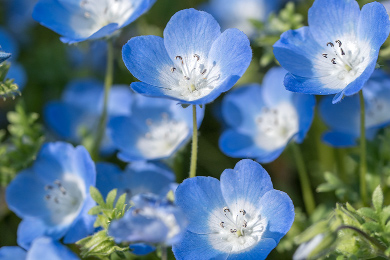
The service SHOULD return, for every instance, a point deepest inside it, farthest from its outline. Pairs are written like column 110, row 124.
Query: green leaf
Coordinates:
column 111, row 198
column 377, row 198
column 94, row 210
column 368, row 213
column 121, row 201
column 372, row 227
column 97, row 196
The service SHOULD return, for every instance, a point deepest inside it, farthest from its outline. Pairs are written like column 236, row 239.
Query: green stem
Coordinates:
column 107, row 86
column 340, row 161
column 372, row 240
column 363, row 163
column 307, row 193
column 164, row 253
column 194, row 153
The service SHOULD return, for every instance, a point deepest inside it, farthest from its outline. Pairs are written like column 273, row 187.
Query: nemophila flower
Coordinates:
column 239, row 217
column 343, row 118
column 337, row 52
column 18, row 15
column 52, row 196
column 80, row 20
column 137, row 178
column 193, row 64
column 79, row 110
column 4, row 56
column 261, row 120
column 304, row 250
column 156, row 129
column 41, row 248
column 151, row 220
column 238, row 13
column 16, row 71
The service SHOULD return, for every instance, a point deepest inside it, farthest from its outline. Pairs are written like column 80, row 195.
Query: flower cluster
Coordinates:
column 108, row 171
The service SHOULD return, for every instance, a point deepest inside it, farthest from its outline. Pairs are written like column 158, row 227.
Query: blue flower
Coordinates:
column 138, row 177
column 262, row 120
column 156, row 129
column 81, row 20
column 18, row 14
column 239, row 217
column 151, row 220
column 193, row 64
column 303, row 252
column 52, row 197
column 41, row 248
column 345, row 127
column 4, row 56
column 337, row 52
column 81, row 107
column 237, row 13
column 16, row 71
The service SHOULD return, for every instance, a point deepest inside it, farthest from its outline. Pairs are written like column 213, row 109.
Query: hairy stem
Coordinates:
column 107, row 86
column 194, row 153
column 363, row 162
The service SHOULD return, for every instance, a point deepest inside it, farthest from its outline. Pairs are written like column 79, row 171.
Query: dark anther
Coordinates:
column 204, row 71
column 339, row 42
column 243, row 212
column 173, row 69
column 197, row 57
column 226, row 209
column 342, row 51
column 233, row 230
column 331, row 44
column 334, row 61
column 222, row 224
column 187, row 78
column 179, row 57
column 325, row 55
column 47, row 197
column 245, row 224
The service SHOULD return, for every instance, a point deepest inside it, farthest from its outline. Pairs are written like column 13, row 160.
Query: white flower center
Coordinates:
column 235, row 230
column 342, row 62
column 65, row 199
column 101, row 14
column 275, row 126
column 193, row 77
column 163, row 137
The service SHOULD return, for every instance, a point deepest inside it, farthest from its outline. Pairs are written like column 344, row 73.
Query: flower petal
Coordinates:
column 374, row 25
column 147, row 59
column 231, row 54
column 331, row 19
column 198, row 197
column 192, row 246
column 297, row 52
column 48, row 248
column 259, row 252
column 278, row 209
column 248, row 182
column 190, row 32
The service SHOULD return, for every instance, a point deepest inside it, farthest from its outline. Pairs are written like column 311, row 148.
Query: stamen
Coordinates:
column 325, row 55
column 243, row 212
column 197, row 57
column 226, row 209
column 173, row 69
column 342, row 51
column 233, row 230
column 180, row 58
column 331, row 44
column 245, row 224
column 339, row 42
column 334, row 61
column 222, row 224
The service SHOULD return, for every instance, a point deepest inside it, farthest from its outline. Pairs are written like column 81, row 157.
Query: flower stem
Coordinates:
column 194, row 153
column 307, row 193
column 363, row 163
column 107, row 86
column 164, row 253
